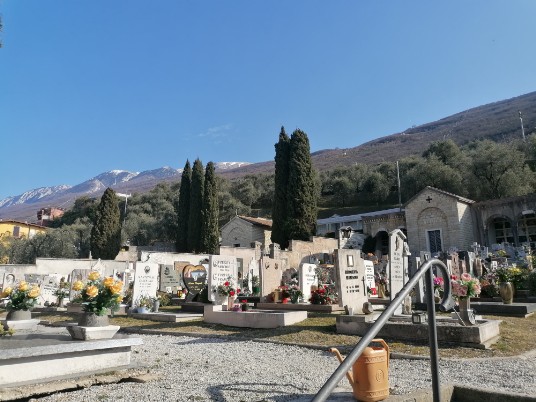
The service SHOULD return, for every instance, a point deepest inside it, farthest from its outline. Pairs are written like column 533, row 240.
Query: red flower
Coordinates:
column 231, row 293
column 237, row 290
column 226, row 283
column 244, row 301
column 453, row 277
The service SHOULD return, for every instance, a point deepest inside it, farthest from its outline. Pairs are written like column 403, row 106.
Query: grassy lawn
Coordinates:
column 319, row 330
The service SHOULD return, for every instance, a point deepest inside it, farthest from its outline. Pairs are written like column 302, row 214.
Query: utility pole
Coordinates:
column 522, row 128
column 398, row 181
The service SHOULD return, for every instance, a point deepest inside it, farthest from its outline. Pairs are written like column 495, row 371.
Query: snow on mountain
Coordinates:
column 115, row 177
column 230, row 165
column 34, row 195
column 123, row 180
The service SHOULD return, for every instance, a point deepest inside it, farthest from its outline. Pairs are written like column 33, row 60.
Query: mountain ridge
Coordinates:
column 497, row 121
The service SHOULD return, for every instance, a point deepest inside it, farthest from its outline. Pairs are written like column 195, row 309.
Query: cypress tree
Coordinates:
column 183, row 209
column 106, row 231
column 210, row 237
column 302, row 195
column 196, row 204
column 279, row 206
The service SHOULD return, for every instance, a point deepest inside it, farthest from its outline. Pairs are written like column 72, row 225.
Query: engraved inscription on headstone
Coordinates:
column 307, row 279
column 370, row 282
column 145, row 280
column 350, row 270
column 396, row 271
column 195, row 279
column 221, row 268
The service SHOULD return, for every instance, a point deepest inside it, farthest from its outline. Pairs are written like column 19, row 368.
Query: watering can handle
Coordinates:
column 385, row 346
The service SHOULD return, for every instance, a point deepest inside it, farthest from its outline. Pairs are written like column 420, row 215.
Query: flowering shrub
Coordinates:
column 227, row 288
column 97, row 296
column 323, row 295
column 516, row 275
column 23, row 297
column 465, row 287
column 295, row 293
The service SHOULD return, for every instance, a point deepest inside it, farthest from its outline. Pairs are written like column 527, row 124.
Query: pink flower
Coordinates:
column 466, row 277
column 462, row 291
column 231, row 293
column 226, row 283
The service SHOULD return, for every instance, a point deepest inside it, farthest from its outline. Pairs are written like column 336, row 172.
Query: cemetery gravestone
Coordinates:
column 195, row 279
column 170, row 277
column 270, row 276
column 419, row 287
column 370, row 281
column 49, row 285
column 307, row 279
column 145, row 281
column 221, row 268
column 350, row 270
column 396, row 260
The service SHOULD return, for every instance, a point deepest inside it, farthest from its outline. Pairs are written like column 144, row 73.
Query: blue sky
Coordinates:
column 91, row 86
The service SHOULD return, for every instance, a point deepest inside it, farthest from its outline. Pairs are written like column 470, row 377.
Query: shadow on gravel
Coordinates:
column 218, row 392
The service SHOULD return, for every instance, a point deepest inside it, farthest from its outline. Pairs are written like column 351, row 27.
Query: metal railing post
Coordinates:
column 446, row 304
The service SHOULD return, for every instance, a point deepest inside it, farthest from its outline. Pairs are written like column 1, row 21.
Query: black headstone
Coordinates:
column 195, row 279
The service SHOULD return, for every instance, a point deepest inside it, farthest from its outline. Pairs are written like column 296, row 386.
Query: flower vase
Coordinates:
column 230, row 303
column 437, row 296
column 466, row 313
column 244, row 307
column 156, row 305
column 381, row 291
column 91, row 327
column 18, row 315
column 506, row 290
column 294, row 299
column 93, row 320
column 285, row 300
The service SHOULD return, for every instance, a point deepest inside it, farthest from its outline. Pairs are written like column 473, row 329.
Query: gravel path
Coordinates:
column 204, row 369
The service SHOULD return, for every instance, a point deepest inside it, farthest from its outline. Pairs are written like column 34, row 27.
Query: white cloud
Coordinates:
column 216, row 132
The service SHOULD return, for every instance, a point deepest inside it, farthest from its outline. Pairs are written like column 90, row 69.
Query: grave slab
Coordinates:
column 499, row 308
column 21, row 325
column 479, row 336
column 167, row 317
column 318, row 308
column 253, row 318
column 40, row 357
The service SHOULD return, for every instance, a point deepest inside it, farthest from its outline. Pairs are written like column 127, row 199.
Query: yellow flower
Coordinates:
column 34, row 292
column 119, row 299
column 78, row 285
column 23, row 286
column 117, row 287
column 93, row 275
column 92, row 291
column 7, row 291
column 108, row 282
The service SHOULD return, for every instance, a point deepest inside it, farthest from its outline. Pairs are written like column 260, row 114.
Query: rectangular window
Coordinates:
column 434, row 241
column 16, row 231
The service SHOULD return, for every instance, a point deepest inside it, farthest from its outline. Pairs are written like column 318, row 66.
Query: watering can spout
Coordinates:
column 336, row 352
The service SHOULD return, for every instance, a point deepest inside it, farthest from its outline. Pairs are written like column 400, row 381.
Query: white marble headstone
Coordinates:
column 221, row 268
column 145, row 280
column 307, row 279
column 351, row 285
column 396, row 260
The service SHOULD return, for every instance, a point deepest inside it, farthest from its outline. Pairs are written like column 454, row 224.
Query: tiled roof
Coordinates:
column 11, row 221
column 257, row 221
column 459, row 198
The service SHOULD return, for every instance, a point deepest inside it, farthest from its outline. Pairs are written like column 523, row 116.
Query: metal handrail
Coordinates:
column 446, row 304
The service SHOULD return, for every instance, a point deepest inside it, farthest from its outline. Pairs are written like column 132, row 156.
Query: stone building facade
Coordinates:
column 437, row 220
column 243, row 231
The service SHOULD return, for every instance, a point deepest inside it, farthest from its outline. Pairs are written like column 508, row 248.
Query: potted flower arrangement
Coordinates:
column 295, row 293
column 381, row 284
column 144, row 304
column 62, row 292
column 244, row 306
column 284, row 293
column 227, row 290
column 438, row 288
column 21, row 299
column 463, row 289
column 97, row 296
column 322, row 295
